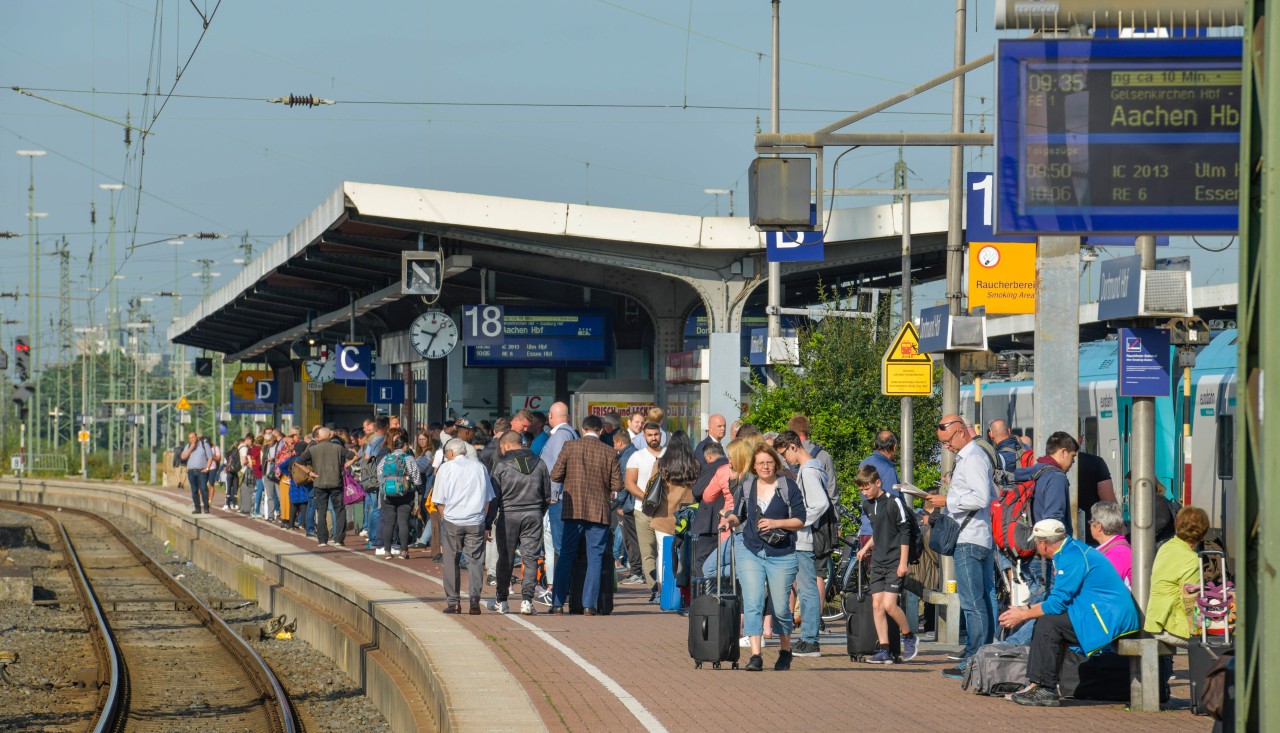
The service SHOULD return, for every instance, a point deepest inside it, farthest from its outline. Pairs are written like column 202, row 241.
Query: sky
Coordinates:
column 622, row 103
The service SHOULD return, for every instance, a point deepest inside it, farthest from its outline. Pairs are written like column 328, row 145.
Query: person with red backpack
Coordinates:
column 1042, row 492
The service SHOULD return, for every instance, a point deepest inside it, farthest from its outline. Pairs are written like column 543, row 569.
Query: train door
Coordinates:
column 1205, row 426
column 1108, row 445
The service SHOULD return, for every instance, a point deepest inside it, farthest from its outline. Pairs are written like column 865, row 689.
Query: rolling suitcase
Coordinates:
column 608, row 583
column 715, row 622
column 860, row 623
column 1204, row 652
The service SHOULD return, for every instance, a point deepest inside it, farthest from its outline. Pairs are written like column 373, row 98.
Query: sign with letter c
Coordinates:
column 355, row 361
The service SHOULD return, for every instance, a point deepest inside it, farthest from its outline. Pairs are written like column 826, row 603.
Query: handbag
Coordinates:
column 946, row 532
column 300, row 473
column 654, row 494
column 352, row 491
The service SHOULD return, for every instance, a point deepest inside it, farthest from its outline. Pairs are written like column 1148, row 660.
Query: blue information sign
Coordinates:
column 384, row 391
column 1119, row 289
column 482, row 325
column 1118, row 136
column 1145, row 362
column 355, row 361
column 540, row 337
column 935, row 323
column 796, row 246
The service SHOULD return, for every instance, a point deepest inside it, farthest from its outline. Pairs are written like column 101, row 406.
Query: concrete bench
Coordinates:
column 1144, row 670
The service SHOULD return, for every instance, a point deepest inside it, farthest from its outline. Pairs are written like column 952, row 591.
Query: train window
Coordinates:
column 1226, row 442
column 1090, row 435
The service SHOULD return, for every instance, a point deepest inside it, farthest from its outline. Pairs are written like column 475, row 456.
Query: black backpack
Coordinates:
column 916, row 547
column 233, row 460
column 826, row 531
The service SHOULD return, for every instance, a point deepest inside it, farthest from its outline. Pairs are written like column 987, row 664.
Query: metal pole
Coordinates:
column 907, row 436
column 154, row 415
column 137, row 378
column 949, row 626
column 84, row 409
column 32, row 326
column 1142, row 460
column 775, row 124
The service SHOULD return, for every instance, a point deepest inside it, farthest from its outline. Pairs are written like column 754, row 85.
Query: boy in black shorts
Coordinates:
column 889, row 548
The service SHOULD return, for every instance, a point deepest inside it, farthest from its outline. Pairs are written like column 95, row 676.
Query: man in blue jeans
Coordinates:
column 197, row 456
column 968, row 502
column 812, row 480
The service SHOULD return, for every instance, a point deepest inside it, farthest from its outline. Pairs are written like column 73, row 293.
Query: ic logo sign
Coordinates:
column 355, row 361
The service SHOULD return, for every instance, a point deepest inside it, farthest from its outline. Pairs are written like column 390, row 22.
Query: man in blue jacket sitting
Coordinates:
column 1088, row 608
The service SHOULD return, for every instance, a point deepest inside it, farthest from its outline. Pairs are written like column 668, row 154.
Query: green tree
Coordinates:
column 837, row 386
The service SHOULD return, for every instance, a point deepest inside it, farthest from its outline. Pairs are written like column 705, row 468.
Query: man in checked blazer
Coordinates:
column 588, row 470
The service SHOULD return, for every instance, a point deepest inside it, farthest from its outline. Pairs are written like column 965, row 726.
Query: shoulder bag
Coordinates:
column 654, row 493
column 945, row 532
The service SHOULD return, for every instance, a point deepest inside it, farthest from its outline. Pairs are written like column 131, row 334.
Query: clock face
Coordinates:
column 988, row 256
column 433, row 334
column 320, row 371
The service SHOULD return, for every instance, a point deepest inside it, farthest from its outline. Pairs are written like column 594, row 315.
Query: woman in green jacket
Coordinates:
column 1176, row 565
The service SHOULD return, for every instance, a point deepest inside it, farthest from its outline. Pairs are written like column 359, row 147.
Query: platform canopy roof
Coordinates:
column 345, row 257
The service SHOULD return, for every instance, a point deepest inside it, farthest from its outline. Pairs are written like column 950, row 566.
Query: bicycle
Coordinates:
column 839, row 573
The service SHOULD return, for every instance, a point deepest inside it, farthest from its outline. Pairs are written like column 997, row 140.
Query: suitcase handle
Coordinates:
column 1204, row 627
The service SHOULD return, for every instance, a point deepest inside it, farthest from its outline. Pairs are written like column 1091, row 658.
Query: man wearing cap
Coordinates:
column 1088, row 608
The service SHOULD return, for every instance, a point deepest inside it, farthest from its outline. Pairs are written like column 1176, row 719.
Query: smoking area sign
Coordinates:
column 1002, row 277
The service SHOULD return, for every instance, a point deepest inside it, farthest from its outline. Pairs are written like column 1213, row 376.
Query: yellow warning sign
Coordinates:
column 1002, row 276
column 84, row 436
column 183, row 404
column 904, row 371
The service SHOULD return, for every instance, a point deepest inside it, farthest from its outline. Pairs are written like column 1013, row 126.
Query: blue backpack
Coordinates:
column 395, row 476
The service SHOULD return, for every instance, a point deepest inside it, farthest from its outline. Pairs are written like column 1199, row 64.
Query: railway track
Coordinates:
column 167, row 662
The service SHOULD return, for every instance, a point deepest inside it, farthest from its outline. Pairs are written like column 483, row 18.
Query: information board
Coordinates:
column 1118, row 136
column 537, row 337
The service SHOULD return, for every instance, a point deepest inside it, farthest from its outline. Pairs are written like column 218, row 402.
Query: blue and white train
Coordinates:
column 1198, row 471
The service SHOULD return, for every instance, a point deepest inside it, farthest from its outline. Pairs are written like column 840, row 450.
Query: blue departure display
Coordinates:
column 534, row 337
column 1118, row 136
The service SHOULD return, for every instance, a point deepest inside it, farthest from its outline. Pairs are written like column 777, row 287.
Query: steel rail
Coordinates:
column 115, row 709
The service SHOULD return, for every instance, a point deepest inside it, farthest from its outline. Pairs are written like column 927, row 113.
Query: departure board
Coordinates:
column 540, row 337
column 1118, row 136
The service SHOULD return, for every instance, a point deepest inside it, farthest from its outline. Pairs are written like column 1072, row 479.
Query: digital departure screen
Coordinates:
column 536, row 337
column 1118, row 136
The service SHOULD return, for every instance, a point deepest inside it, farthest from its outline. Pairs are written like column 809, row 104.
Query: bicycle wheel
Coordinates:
column 832, row 604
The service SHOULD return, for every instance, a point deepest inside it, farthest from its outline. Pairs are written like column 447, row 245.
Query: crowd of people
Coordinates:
column 573, row 506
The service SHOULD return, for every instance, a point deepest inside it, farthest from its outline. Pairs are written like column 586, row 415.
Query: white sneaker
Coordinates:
column 379, row 552
column 224, row 507
column 745, row 642
column 497, row 606
column 364, row 533
column 395, row 550
column 526, row 608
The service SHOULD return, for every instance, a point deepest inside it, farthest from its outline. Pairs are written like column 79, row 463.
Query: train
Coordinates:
column 1198, row 471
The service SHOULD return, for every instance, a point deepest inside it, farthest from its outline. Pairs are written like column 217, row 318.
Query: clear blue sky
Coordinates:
column 616, row 102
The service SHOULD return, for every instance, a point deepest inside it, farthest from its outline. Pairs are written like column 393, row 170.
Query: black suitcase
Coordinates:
column 1202, row 653
column 715, row 623
column 860, row 623
column 1103, row 676
column 608, row 582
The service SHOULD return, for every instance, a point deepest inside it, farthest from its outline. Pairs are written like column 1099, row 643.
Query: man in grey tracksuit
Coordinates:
column 523, row 487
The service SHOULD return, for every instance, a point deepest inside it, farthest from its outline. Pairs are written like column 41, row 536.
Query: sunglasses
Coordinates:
column 943, row 425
